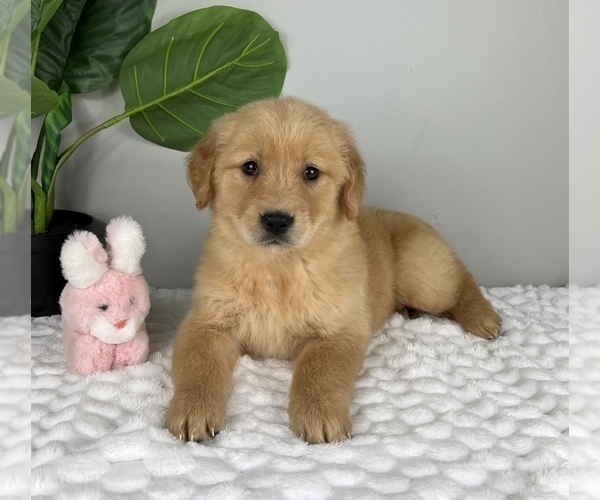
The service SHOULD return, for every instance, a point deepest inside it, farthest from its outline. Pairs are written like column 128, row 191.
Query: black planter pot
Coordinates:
column 47, row 280
column 15, row 271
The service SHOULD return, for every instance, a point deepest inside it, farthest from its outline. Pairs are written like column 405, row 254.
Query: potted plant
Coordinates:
column 14, row 158
column 174, row 80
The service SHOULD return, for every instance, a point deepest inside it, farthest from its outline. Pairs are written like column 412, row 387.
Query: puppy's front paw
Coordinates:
column 194, row 417
column 318, row 421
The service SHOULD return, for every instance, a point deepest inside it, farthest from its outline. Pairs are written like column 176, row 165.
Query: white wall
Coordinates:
column 584, row 153
column 460, row 108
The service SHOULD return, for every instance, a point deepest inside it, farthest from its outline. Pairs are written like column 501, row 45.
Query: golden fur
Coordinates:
column 316, row 298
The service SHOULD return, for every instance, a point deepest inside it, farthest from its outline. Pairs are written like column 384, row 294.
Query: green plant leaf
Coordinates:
column 8, row 196
column 14, row 164
column 18, row 67
column 39, row 222
column 42, row 98
column 179, row 78
column 7, row 154
column 83, row 45
column 20, row 160
column 13, row 98
column 56, row 121
column 41, row 13
column 11, row 13
column 13, row 25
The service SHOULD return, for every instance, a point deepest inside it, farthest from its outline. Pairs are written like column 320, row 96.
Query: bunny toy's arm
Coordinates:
column 85, row 353
column 135, row 351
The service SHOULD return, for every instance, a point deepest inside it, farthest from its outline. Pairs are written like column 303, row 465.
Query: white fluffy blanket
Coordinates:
column 438, row 414
column 15, row 407
column 585, row 392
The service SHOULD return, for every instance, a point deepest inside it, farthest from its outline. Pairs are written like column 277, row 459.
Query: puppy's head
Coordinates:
column 277, row 173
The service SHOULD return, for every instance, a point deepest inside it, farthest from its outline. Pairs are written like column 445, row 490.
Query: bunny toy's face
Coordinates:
column 112, row 309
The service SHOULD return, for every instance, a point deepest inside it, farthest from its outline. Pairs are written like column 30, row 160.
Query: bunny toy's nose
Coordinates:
column 120, row 324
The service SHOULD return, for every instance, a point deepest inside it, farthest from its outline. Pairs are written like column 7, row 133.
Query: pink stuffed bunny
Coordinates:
column 106, row 299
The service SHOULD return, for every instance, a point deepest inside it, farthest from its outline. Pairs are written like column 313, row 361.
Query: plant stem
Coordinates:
column 21, row 194
column 104, row 125
column 4, row 53
column 39, row 208
column 34, row 53
column 37, row 154
column 9, row 214
column 7, row 155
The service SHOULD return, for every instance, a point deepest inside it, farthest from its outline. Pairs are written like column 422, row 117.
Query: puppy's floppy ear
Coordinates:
column 353, row 189
column 200, row 167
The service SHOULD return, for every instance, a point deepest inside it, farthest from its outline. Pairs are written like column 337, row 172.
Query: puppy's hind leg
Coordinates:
column 433, row 280
column 472, row 310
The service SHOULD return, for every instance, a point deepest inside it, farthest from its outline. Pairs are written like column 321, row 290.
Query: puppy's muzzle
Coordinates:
column 276, row 223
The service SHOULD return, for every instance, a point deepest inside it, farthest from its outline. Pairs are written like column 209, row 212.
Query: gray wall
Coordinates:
column 460, row 108
column 584, row 153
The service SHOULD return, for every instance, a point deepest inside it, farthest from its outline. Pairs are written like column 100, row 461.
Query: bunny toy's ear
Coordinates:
column 126, row 245
column 83, row 260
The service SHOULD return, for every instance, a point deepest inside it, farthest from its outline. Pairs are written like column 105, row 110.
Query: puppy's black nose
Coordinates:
column 276, row 222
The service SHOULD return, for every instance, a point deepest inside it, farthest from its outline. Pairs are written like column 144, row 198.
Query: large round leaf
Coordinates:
column 177, row 79
column 84, row 43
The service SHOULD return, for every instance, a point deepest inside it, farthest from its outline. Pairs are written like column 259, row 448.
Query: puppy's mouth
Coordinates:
column 277, row 241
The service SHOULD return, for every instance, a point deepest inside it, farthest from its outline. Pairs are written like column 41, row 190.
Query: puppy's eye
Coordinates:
column 103, row 307
column 311, row 173
column 250, row 168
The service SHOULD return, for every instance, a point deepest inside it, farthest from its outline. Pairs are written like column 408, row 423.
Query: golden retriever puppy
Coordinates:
column 294, row 269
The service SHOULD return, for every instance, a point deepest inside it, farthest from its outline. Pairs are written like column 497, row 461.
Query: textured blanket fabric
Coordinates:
column 15, row 407
column 438, row 414
column 585, row 392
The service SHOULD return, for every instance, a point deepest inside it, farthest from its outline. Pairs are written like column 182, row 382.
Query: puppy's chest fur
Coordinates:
column 271, row 307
